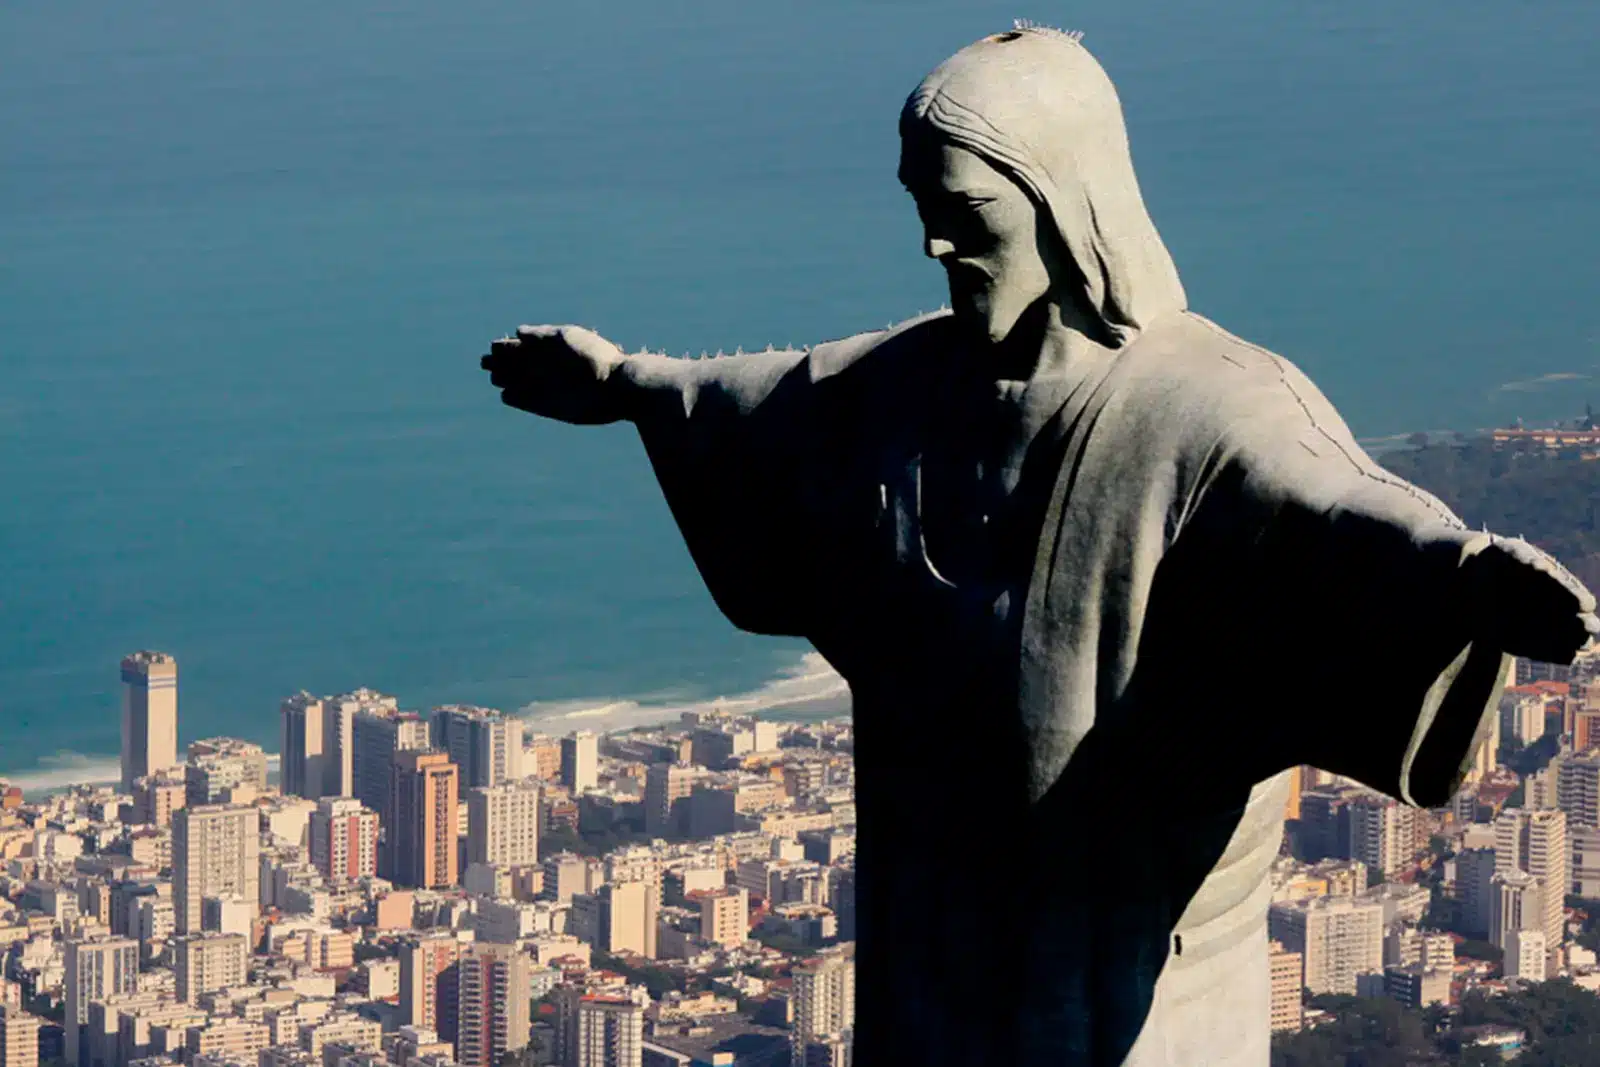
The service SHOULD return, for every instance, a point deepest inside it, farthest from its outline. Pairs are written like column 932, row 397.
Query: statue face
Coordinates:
column 984, row 229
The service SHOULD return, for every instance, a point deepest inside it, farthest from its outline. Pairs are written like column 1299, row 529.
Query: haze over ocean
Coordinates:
column 249, row 258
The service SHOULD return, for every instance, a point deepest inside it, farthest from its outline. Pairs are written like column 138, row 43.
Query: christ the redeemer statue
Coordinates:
column 1098, row 573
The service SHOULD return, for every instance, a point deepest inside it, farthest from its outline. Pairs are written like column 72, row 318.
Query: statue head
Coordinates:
column 1015, row 151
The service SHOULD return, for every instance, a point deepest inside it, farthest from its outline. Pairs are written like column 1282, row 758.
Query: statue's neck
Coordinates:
column 1050, row 339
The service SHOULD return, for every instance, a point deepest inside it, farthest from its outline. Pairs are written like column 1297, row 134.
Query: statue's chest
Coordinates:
column 959, row 514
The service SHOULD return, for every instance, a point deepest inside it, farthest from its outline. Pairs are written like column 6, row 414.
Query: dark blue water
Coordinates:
column 249, row 257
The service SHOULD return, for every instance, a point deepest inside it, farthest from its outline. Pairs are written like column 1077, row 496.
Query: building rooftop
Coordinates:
column 749, row 1042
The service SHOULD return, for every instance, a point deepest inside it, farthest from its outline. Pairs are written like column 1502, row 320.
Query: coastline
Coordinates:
column 807, row 691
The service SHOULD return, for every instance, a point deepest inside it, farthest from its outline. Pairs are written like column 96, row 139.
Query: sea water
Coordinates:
column 250, row 254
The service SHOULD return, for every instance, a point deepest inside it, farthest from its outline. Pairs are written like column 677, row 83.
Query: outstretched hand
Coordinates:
column 1529, row 604
column 559, row 372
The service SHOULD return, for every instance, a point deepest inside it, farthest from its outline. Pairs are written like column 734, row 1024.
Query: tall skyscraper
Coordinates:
column 94, row 970
column 492, row 1006
column 486, row 744
column 609, row 1032
column 339, row 738
column 1474, row 869
column 824, row 1000
column 429, row 980
column 1536, row 842
column 303, row 761
column 423, row 834
column 580, row 762
column 1384, row 833
column 206, row 963
column 379, row 734
column 344, row 839
column 503, row 824
column 215, row 853
column 149, row 715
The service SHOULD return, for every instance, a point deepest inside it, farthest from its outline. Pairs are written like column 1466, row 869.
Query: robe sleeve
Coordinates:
column 1349, row 597
column 731, row 441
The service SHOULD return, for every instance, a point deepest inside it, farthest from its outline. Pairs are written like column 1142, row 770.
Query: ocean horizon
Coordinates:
column 249, row 258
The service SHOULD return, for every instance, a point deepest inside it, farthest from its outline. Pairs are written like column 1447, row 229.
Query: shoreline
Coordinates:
column 806, row 691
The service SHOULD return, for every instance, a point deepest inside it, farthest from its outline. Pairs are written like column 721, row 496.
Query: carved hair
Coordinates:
column 1036, row 105
column 1029, row 26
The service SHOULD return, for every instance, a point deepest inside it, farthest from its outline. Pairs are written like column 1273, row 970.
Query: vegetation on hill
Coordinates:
column 1561, row 1021
column 1552, row 500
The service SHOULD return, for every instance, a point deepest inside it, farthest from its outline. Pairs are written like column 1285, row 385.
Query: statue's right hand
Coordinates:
column 559, row 372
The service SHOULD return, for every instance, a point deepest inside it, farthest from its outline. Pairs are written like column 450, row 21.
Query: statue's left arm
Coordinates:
column 751, row 451
column 728, row 439
column 1394, row 622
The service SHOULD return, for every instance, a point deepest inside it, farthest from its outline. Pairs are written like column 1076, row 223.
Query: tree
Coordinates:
column 1474, row 949
column 1366, row 1031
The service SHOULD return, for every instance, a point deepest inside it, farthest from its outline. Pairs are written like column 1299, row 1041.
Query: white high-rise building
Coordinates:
column 610, row 1032
column 503, row 824
column 580, row 762
column 94, row 971
column 216, row 852
column 1340, row 938
column 1526, row 955
column 1536, row 842
column 1516, row 903
column 206, row 963
column 149, row 716
column 824, row 1000
column 19, row 1036
column 1384, row 833
column 493, row 1004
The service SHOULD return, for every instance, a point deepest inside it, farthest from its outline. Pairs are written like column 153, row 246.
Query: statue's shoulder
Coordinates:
column 878, row 352
column 1222, row 381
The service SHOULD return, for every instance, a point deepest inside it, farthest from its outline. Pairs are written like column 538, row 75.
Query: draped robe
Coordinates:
column 1071, row 738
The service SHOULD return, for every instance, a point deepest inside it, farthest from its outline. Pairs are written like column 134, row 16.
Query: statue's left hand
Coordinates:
column 560, row 372
column 1527, row 603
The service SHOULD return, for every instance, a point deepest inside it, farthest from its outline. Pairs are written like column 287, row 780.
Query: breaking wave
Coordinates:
column 809, row 689
column 66, row 769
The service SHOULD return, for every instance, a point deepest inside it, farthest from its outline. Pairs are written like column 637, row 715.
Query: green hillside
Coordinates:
column 1553, row 501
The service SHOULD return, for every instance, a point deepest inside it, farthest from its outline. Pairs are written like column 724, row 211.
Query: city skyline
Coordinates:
column 732, row 838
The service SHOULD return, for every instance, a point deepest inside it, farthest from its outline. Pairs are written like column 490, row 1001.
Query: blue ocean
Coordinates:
column 250, row 254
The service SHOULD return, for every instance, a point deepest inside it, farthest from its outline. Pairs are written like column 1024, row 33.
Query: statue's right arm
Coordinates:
column 651, row 388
